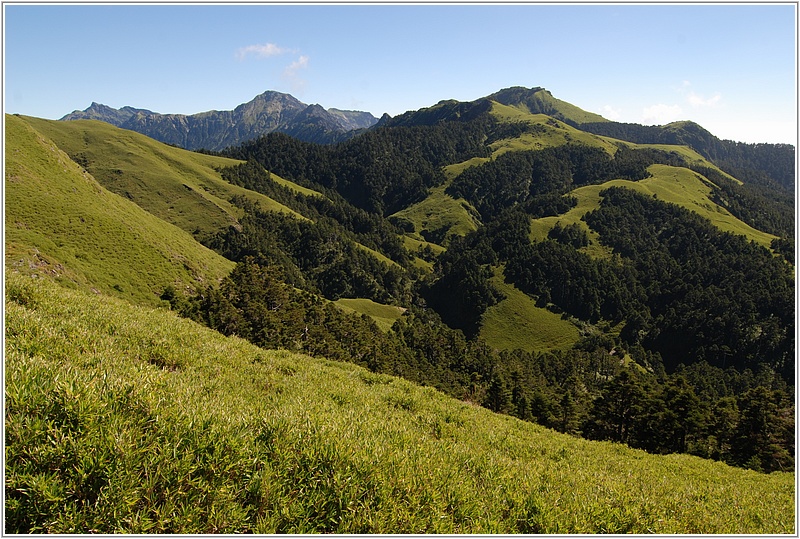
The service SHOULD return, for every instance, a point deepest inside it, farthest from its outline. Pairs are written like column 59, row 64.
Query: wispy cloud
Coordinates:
column 610, row 113
column 292, row 73
column 661, row 114
column 261, row 51
column 297, row 65
column 696, row 100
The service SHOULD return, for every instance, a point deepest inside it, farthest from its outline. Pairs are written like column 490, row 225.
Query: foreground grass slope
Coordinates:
column 125, row 419
column 60, row 222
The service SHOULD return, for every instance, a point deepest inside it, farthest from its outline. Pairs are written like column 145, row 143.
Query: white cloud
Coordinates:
column 610, row 113
column 261, row 51
column 297, row 65
column 292, row 73
column 661, row 114
column 696, row 100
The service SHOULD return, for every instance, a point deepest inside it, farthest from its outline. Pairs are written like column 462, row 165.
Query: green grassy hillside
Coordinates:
column 383, row 315
column 181, row 187
column 546, row 132
column 516, row 322
column 59, row 221
column 124, row 419
column 671, row 184
column 438, row 217
column 540, row 100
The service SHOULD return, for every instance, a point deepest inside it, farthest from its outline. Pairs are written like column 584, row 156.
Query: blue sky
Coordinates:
column 731, row 68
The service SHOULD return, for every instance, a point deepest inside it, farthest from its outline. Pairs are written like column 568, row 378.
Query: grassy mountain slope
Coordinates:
column 546, row 132
column 516, row 322
column 671, row 184
column 541, row 101
column 125, row 419
column 438, row 217
column 383, row 315
column 61, row 222
column 181, row 187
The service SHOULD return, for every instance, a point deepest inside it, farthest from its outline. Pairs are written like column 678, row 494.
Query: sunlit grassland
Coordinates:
column 549, row 133
column 546, row 101
column 568, row 110
column 383, row 315
column 439, row 211
column 689, row 155
column 676, row 185
column 179, row 186
column 59, row 221
column 126, row 419
column 440, row 214
column 378, row 255
column 516, row 322
column 413, row 245
column 295, row 187
column 452, row 171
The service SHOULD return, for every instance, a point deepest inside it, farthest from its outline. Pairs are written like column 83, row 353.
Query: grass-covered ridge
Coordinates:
column 545, row 132
column 176, row 185
column 438, row 217
column 383, row 315
column 125, row 419
column 59, row 221
column 677, row 185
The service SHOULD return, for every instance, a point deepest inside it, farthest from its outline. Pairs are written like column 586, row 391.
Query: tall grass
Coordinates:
column 127, row 419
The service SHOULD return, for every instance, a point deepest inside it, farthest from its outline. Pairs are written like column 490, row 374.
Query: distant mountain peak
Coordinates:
column 214, row 130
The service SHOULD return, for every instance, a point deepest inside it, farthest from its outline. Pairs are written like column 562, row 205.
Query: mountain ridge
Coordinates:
column 215, row 130
column 273, row 111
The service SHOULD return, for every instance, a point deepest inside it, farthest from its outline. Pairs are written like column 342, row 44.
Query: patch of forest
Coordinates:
column 382, row 171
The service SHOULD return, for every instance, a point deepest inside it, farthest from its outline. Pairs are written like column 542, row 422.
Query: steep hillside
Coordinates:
column 60, row 221
column 215, row 130
column 178, row 186
column 121, row 419
column 761, row 164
